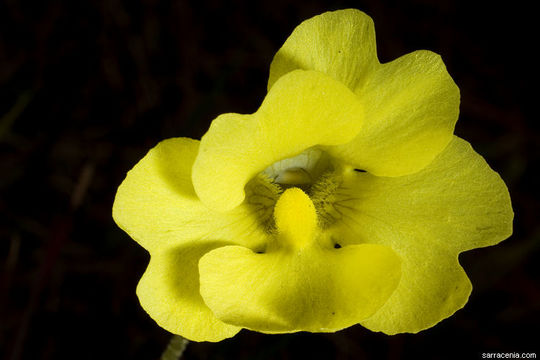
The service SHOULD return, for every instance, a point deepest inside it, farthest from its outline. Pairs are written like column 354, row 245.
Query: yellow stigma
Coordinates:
column 295, row 216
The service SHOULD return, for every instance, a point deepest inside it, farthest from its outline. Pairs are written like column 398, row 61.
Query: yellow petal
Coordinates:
column 169, row 292
column 455, row 204
column 157, row 206
column 316, row 289
column 411, row 108
column 340, row 44
column 303, row 109
column 411, row 104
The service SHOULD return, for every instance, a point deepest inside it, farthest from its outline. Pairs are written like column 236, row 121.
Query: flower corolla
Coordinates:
column 344, row 199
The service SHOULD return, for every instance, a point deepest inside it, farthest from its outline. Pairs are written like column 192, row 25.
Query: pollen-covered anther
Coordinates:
column 296, row 218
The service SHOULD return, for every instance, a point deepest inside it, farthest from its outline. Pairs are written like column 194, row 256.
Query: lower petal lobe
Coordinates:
column 314, row 289
column 169, row 292
column 157, row 206
column 456, row 203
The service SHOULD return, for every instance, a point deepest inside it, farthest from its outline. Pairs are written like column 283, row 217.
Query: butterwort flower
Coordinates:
column 344, row 199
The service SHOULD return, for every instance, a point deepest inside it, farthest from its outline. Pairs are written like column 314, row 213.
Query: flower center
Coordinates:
column 300, row 171
column 313, row 175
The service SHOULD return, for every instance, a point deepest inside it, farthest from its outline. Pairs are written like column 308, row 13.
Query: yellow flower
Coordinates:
column 344, row 199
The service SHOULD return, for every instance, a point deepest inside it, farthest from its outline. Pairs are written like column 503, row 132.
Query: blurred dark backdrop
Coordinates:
column 87, row 87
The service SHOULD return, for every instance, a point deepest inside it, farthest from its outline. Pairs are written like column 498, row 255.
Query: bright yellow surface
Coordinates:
column 340, row 44
column 219, row 263
column 314, row 289
column 296, row 220
column 455, row 204
column 157, row 206
column 169, row 292
column 411, row 108
column 411, row 104
column 303, row 109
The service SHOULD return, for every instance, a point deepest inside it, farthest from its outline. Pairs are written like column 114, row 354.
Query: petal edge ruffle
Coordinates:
column 411, row 108
column 411, row 104
column 158, row 207
column 340, row 44
column 303, row 109
column 455, row 204
column 169, row 293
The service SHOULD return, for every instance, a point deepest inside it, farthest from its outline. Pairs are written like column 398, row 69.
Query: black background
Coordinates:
column 87, row 87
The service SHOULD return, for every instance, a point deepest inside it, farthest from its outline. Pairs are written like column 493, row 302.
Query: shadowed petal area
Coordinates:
column 303, row 109
column 169, row 292
column 157, row 206
column 316, row 289
column 455, row 204
column 411, row 108
column 340, row 44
